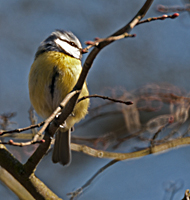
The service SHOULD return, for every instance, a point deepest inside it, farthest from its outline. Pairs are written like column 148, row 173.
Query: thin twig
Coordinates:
column 109, row 39
column 22, row 144
column 163, row 17
column 105, row 98
column 81, row 189
column 125, row 35
column 19, row 130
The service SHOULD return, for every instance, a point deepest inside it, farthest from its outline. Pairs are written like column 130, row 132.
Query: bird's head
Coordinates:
column 61, row 41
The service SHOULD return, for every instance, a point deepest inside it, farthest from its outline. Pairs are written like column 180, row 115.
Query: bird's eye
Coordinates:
column 72, row 44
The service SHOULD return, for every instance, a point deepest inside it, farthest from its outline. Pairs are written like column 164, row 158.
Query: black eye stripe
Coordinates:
column 71, row 43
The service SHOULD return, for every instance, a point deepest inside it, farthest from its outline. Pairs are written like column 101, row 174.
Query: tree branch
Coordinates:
column 34, row 186
column 125, row 156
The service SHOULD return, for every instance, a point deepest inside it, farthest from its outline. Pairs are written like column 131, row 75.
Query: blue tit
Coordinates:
column 53, row 74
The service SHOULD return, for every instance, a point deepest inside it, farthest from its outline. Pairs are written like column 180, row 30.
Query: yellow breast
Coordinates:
column 52, row 76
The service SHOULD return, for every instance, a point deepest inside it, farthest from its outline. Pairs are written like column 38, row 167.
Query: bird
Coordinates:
column 53, row 74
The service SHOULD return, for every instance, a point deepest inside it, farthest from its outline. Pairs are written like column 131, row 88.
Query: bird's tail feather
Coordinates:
column 62, row 150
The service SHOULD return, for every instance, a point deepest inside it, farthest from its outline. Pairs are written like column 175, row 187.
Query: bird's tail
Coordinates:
column 62, row 150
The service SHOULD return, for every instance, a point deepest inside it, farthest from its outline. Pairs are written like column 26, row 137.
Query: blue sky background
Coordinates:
column 159, row 53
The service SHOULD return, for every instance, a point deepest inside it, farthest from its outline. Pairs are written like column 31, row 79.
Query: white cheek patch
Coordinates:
column 74, row 51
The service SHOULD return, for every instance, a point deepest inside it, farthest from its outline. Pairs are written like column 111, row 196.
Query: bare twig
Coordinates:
column 81, row 189
column 125, row 35
column 105, row 98
column 22, row 144
column 126, row 29
column 163, row 17
column 109, row 39
column 19, row 130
